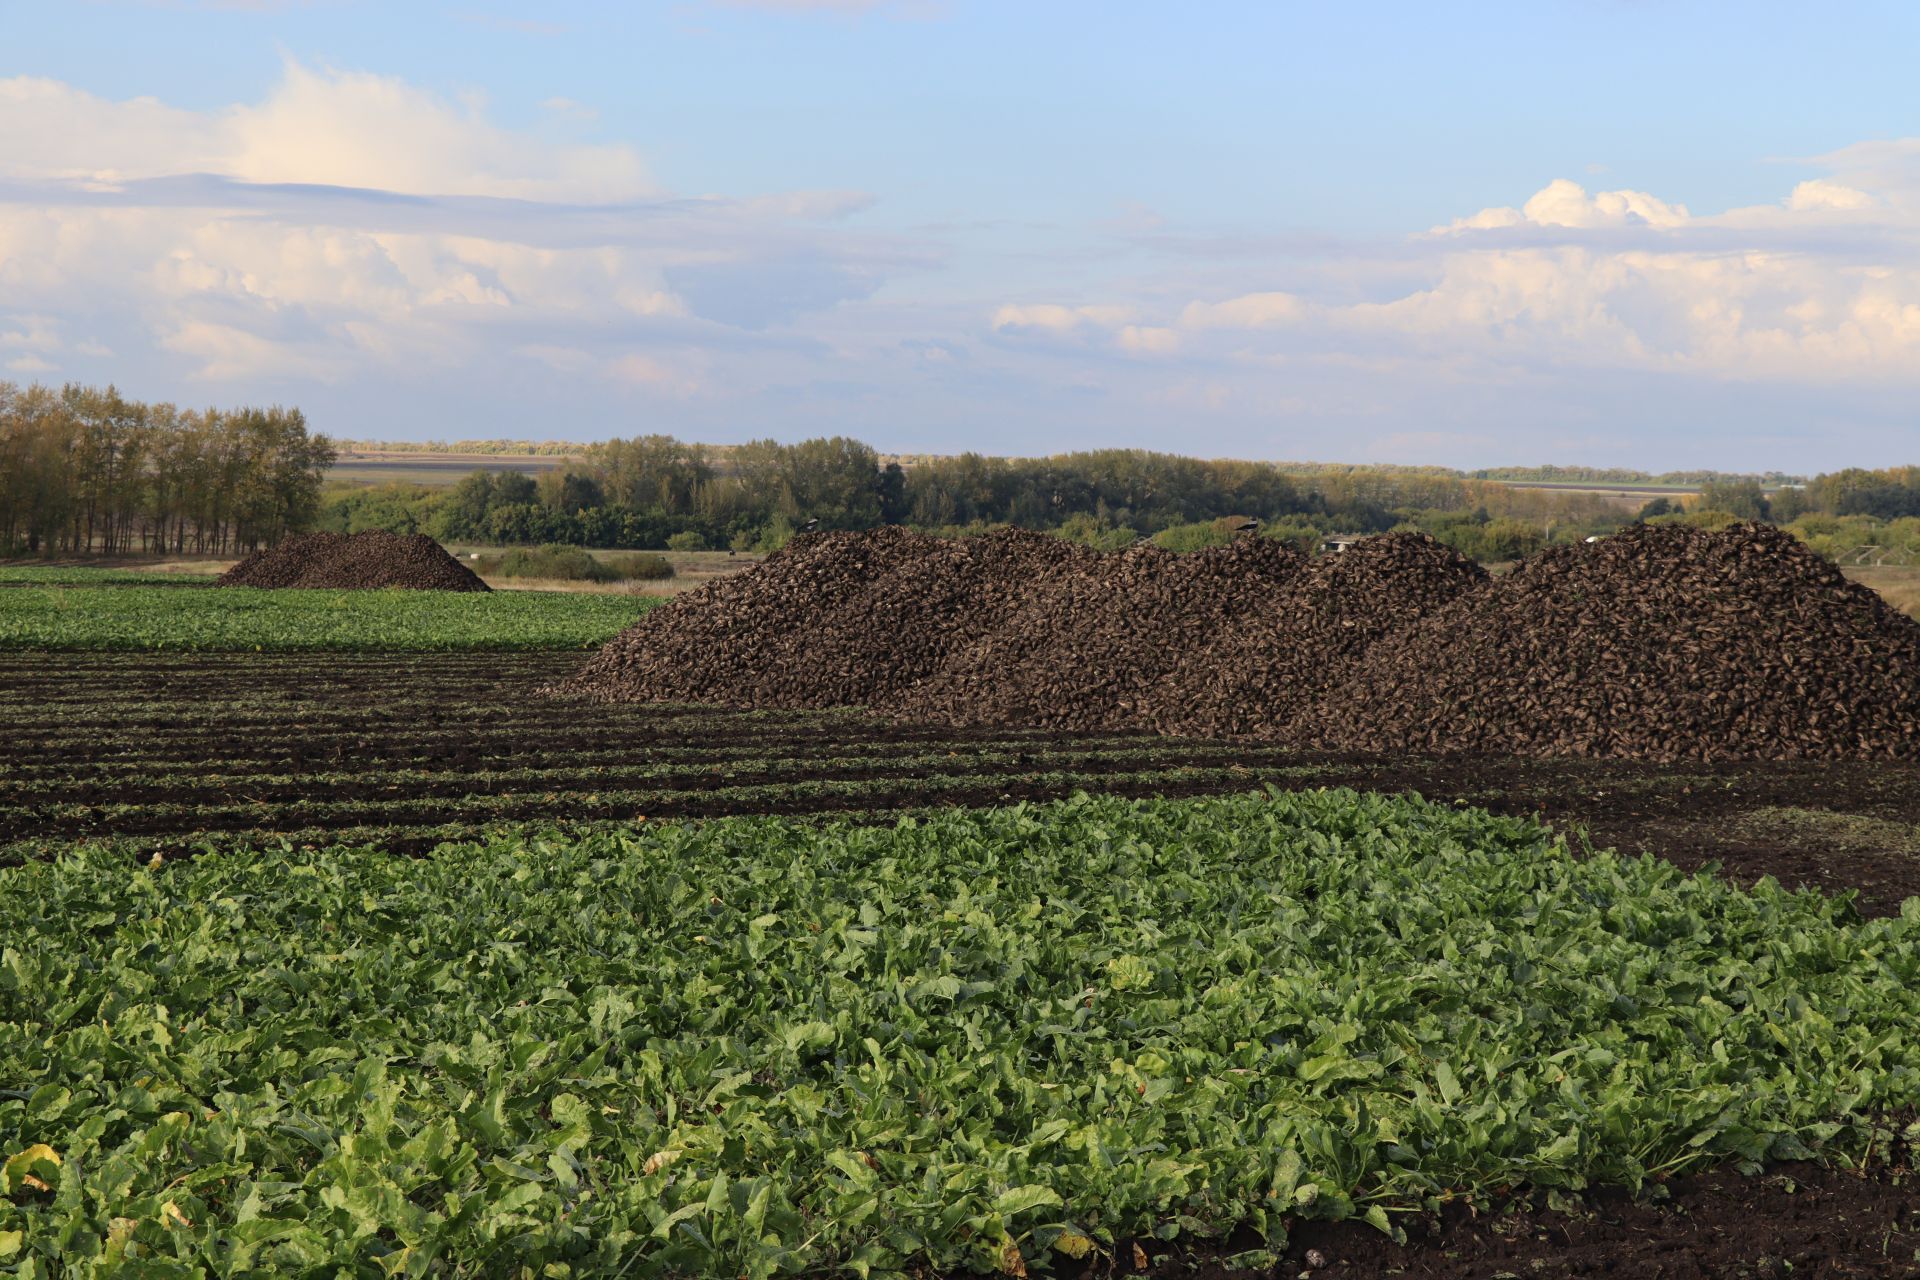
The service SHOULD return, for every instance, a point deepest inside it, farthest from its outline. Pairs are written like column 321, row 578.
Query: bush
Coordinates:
column 687, row 540
column 573, row 564
column 1193, row 537
column 639, row 566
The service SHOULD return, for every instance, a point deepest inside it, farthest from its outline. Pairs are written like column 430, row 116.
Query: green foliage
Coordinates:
column 1741, row 499
column 75, row 575
column 751, row 1047
column 1889, row 494
column 638, row 567
column 1699, row 518
column 241, row 619
column 84, row 469
column 1861, row 539
column 687, row 540
column 1096, row 533
column 1487, row 540
column 392, row 508
column 574, row 564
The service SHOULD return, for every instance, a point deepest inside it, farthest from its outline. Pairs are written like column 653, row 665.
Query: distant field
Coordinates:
column 690, row 568
column 1898, row 585
column 1629, row 497
column 435, row 468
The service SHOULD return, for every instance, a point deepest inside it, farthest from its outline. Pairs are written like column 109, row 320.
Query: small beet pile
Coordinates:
column 357, row 561
column 1660, row 643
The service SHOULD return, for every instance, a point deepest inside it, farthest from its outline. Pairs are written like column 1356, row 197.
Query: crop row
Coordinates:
column 983, row 1039
column 877, row 792
column 134, row 782
column 244, row 620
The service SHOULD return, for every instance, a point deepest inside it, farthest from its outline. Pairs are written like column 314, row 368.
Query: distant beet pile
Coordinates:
column 355, row 561
column 1660, row 643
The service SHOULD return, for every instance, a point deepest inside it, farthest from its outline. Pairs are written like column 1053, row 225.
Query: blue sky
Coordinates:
column 1628, row 233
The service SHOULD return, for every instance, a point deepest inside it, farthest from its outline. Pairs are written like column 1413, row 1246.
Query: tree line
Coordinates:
column 653, row 492
column 84, row 469
column 657, row 492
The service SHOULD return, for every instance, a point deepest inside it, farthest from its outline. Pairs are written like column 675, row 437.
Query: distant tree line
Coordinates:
column 84, row 469
column 1626, row 475
column 655, row 492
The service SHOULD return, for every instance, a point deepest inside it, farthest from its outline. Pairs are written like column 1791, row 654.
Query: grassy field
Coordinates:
column 981, row 1039
column 104, row 611
column 691, row 569
column 82, row 575
column 1898, row 585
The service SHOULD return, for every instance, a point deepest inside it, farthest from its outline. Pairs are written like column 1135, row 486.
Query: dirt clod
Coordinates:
column 367, row 560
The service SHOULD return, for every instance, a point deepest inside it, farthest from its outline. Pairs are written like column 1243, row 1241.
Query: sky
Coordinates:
column 1613, row 232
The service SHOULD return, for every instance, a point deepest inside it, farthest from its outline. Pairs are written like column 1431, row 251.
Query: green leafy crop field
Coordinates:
column 88, row 576
column 987, row 1038
column 102, row 616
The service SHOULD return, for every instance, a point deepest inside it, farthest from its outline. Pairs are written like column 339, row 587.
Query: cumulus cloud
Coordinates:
column 330, row 128
column 1626, row 279
column 1564, row 203
column 1053, row 317
column 1248, row 311
column 351, row 222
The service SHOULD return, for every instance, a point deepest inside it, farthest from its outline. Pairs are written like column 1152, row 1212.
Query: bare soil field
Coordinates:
column 181, row 749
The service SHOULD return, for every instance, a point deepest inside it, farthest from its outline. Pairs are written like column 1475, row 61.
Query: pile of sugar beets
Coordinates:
column 1660, row 642
column 360, row 561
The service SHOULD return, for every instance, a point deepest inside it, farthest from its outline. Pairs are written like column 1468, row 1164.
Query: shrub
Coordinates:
column 574, row 564
column 638, row 566
column 687, row 540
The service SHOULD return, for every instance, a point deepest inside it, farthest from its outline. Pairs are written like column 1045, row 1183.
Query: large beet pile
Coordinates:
column 1024, row 629
column 366, row 560
column 1659, row 643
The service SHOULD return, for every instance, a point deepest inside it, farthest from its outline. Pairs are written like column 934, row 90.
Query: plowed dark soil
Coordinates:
column 1792, row 1221
column 359, row 561
column 413, row 749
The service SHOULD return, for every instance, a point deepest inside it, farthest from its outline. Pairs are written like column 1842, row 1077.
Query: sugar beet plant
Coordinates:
column 985, row 1039
column 238, row 619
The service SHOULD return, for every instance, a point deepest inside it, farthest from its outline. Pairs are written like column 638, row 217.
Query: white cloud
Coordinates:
column 1059, row 319
column 30, row 364
column 1817, row 193
column 674, row 378
column 335, row 128
column 1147, row 339
column 1248, row 311
column 1625, row 279
column 1564, row 203
column 353, row 223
